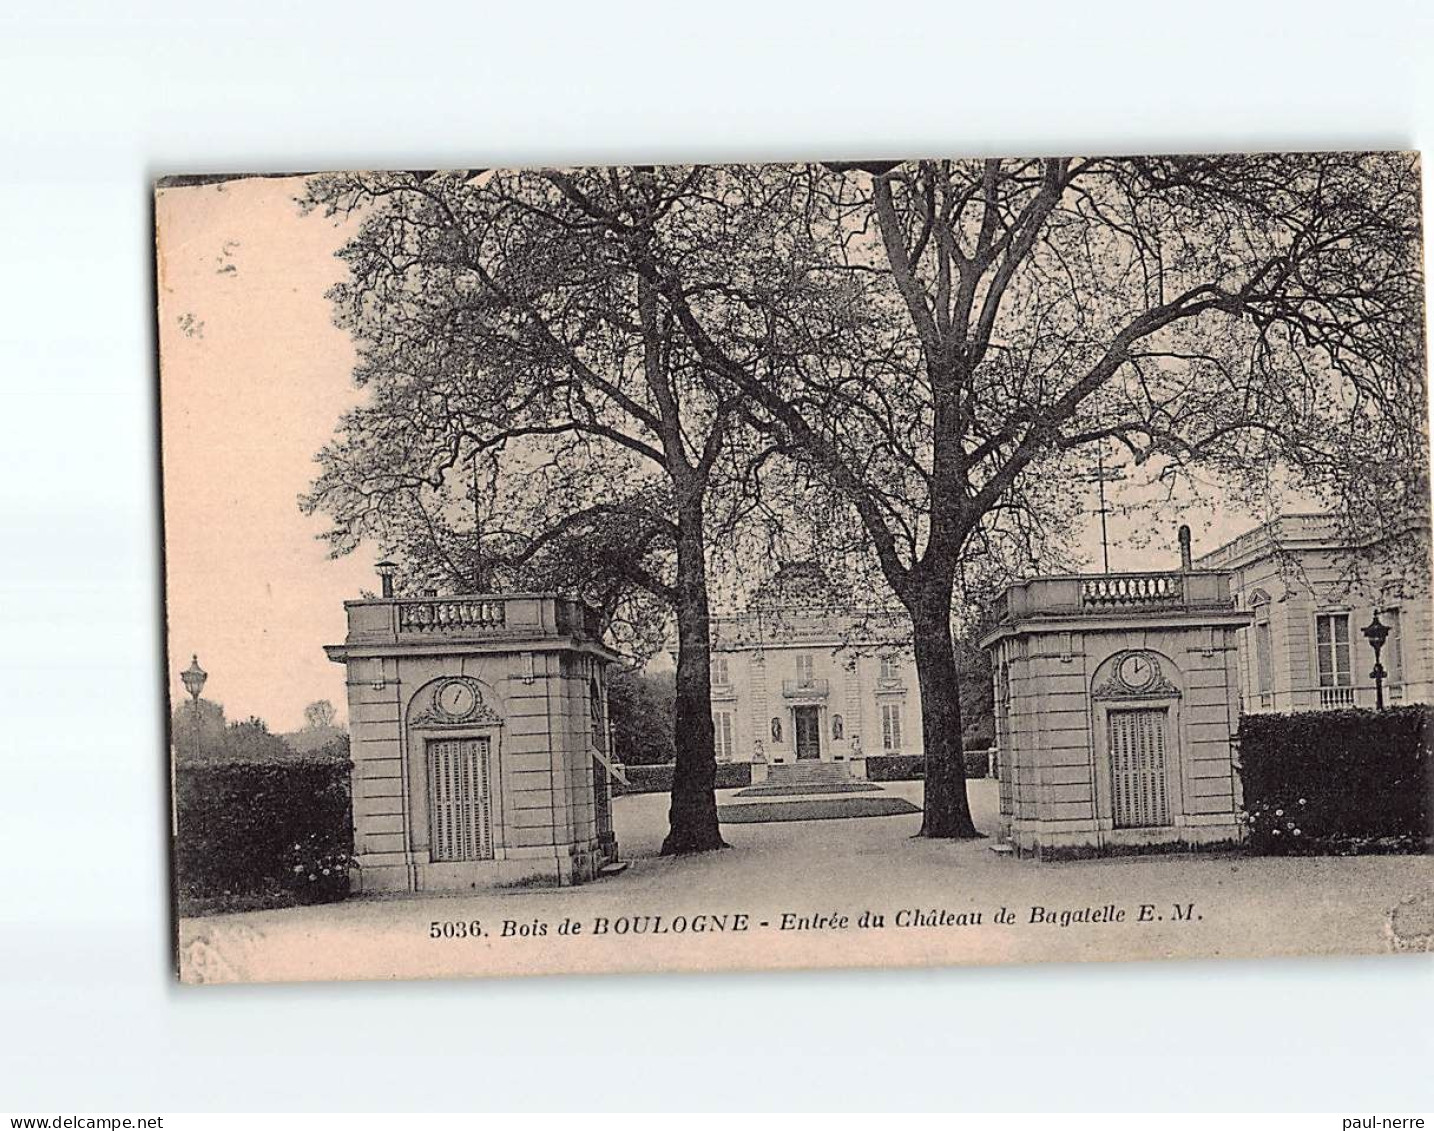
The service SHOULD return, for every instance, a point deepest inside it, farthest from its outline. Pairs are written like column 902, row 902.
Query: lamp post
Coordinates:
column 1377, row 632
column 385, row 570
column 193, row 678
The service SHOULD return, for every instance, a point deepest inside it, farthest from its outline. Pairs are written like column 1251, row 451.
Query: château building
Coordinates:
column 803, row 682
column 1311, row 591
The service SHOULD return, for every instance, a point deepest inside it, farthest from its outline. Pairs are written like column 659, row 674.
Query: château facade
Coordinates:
column 801, row 679
column 1310, row 593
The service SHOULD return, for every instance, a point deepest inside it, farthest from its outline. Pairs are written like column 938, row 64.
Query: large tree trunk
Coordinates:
column 947, row 809
column 692, row 818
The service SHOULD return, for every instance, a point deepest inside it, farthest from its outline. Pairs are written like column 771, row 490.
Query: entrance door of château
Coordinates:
column 1139, row 788
column 809, row 732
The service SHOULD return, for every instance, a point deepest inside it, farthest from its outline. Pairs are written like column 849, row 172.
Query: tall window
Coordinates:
column 722, row 728
column 891, row 727
column 1332, row 650
column 804, row 668
column 890, row 669
column 719, row 671
column 1264, row 669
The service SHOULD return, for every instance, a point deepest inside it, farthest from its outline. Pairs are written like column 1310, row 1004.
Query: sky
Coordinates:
column 253, row 378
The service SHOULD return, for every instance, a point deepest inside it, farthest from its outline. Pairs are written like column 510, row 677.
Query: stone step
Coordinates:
column 808, row 772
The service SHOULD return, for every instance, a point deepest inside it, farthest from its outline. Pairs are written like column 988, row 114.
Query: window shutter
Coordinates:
column 1264, row 671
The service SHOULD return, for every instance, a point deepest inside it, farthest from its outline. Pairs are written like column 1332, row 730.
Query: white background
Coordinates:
column 93, row 105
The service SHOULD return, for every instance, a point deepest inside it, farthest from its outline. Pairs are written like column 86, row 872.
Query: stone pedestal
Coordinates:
column 480, row 742
column 1116, row 701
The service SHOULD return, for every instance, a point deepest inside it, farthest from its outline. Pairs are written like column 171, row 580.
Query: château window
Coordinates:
column 890, row 669
column 1262, row 677
column 1332, row 650
column 1264, row 664
column 722, row 732
column 891, row 727
column 804, row 669
column 720, row 675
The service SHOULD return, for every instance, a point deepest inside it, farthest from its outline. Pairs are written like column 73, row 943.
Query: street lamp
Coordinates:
column 1377, row 632
column 385, row 570
column 193, row 678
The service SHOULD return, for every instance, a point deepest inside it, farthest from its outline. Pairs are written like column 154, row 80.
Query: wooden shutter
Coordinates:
column 1264, row 666
column 1139, row 797
column 459, row 820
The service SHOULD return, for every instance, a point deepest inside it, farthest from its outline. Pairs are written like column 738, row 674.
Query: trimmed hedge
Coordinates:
column 255, row 834
column 1338, row 782
column 658, row 779
column 895, row 767
column 912, row 767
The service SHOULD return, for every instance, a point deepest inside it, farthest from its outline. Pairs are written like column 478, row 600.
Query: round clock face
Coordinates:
column 456, row 700
column 1138, row 671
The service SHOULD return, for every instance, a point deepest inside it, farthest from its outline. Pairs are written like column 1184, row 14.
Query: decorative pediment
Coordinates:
column 456, row 701
column 1136, row 675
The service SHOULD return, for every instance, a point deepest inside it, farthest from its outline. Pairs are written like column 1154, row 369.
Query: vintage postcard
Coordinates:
column 850, row 563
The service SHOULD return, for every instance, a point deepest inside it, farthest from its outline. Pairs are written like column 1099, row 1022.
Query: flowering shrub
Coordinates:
column 251, row 833
column 318, row 870
column 1337, row 782
column 1279, row 825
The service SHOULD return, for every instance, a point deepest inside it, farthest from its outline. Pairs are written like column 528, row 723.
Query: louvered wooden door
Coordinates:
column 459, row 817
column 1139, row 787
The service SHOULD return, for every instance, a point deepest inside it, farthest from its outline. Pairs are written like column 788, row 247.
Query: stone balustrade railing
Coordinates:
column 1114, row 594
column 1132, row 589
column 439, row 614
column 471, row 617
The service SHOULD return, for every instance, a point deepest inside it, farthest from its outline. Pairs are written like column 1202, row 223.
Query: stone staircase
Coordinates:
column 810, row 772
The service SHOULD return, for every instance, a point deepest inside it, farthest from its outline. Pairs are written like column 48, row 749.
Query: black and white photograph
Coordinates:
column 757, row 566
column 637, row 559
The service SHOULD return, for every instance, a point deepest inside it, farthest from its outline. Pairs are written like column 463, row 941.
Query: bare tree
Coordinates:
column 490, row 314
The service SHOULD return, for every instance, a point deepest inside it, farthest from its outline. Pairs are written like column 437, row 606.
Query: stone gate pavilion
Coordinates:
column 479, row 734
column 1117, row 697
